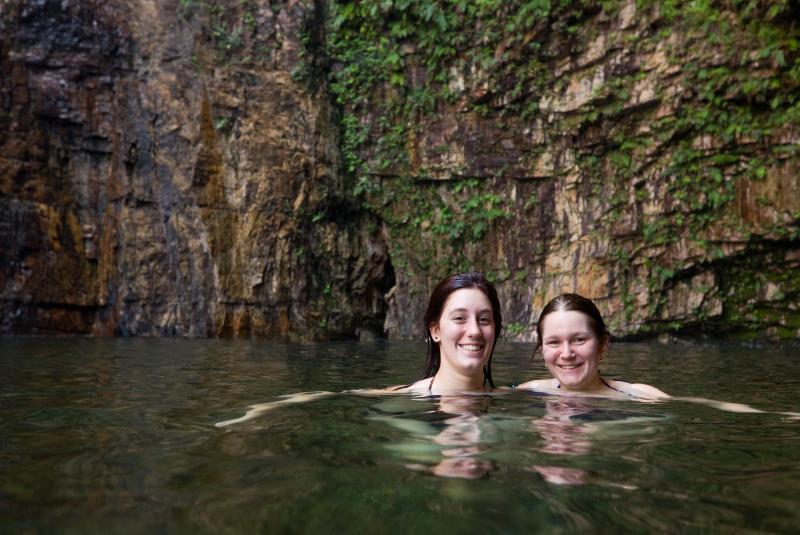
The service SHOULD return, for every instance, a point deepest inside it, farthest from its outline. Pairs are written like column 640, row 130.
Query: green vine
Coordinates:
column 398, row 66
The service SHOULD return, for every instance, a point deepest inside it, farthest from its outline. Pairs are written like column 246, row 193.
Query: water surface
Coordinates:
column 118, row 436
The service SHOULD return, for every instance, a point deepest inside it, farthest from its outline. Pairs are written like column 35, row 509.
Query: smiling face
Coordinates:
column 465, row 333
column 572, row 351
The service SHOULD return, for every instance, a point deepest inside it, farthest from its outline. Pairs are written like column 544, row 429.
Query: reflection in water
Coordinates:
column 560, row 433
column 461, row 438
column 567, row 429
column 458, row 441
column 561, row 475
column 563, row 436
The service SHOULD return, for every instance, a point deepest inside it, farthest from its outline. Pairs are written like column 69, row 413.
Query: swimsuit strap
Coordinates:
column 612, row 388
column 608, row 385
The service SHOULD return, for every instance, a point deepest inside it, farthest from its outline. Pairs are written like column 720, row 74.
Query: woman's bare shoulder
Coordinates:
column 539, row 384
column 639, row 390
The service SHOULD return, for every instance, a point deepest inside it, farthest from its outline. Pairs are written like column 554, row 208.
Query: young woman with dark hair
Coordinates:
column 574, row 339
column 462, row 325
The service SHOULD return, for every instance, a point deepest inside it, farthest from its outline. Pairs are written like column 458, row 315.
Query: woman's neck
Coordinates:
column 596, row 386
column 446, row 383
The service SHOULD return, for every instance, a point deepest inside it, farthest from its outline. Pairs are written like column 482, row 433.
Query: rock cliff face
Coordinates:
column 161, row 173
column 641, row 154
column 305, row 169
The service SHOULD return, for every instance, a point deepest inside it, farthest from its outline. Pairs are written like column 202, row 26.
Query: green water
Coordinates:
column 118, row 436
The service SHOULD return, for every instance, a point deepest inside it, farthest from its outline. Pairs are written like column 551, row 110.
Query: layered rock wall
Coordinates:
column 641, row 154
column 161, row 173
column 302, row 169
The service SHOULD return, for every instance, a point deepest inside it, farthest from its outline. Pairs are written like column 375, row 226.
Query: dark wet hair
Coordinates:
column 447, row 286
column 578, row 303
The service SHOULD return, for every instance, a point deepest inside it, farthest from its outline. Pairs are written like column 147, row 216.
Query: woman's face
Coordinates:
column 571, row 349
column 465, row 332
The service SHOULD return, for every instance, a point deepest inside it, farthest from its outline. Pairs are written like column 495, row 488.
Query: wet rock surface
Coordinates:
column 640, row 155
column 165, row 171
column 151, row 184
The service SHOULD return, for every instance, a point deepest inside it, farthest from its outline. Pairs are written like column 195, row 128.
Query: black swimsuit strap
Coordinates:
column 612, row 388
column 608, row 385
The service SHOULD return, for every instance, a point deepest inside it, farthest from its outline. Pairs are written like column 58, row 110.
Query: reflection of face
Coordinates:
column 565, row 408
column 563, row 476
column 463, row 467
column 465, row 331
column 562, row 435
column 571, row 350
column 462, row 438
column 459, row 433
column 463, row 405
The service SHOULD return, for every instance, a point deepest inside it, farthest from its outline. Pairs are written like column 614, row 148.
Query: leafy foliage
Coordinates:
column 714, row 122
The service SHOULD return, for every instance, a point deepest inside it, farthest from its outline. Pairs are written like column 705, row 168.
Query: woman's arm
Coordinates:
column 290, row 399
column 419, row 388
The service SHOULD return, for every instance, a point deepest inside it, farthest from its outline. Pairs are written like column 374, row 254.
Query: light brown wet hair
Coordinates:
column 570, row 302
